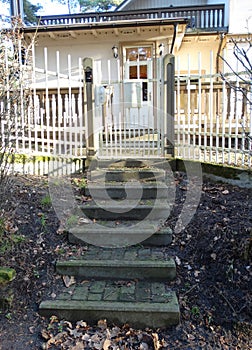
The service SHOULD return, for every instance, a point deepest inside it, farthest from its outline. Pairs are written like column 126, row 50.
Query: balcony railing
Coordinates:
column 206, row 18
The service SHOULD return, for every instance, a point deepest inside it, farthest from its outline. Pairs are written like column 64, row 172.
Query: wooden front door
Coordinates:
column 138, row 89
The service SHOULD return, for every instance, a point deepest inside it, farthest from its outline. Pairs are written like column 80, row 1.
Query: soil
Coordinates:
column 213, row 256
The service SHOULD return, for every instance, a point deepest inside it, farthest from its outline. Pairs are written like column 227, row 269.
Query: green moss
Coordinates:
column 72, row 221
column 6, row 275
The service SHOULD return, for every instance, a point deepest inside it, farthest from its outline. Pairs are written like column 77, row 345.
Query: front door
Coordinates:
column 138, row 89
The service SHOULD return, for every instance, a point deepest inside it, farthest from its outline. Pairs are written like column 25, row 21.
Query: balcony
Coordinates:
column 201, row 18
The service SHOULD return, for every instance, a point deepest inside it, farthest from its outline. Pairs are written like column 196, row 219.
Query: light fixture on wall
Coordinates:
column 115, row 51
column 161, row 49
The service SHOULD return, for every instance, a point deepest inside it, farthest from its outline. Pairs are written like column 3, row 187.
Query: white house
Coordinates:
column 104, row 82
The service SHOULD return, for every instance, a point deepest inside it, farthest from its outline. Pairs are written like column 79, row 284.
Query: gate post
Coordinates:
column 169, row 80
column 88, row 83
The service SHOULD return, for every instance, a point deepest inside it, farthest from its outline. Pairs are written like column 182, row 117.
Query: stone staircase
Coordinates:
column 123, row 275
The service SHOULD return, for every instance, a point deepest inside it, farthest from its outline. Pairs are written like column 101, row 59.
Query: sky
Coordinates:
column 49, row 8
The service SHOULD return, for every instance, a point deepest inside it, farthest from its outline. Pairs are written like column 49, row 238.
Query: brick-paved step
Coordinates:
column 126, row 263
column 144, row 233
column 138, row 303
column 131, row 191
column 127, row 210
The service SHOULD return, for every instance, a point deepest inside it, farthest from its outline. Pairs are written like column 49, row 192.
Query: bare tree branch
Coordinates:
column 241, row 81
column 15, row 60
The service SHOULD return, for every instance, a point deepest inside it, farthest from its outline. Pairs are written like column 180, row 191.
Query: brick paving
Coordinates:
column 125, row 291
column 127, row 253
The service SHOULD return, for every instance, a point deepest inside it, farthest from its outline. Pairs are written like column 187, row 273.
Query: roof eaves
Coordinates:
column 106, row 25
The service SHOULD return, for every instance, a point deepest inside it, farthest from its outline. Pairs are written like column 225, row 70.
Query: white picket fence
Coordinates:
column 56, row 124
column 212, row 122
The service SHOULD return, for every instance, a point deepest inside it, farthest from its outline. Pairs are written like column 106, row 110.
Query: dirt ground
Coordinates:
column 213, row 283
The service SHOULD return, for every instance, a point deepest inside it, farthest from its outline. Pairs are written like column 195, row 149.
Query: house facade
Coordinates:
column 104, row 82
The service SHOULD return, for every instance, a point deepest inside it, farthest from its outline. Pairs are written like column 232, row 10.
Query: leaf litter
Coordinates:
column 213, row 275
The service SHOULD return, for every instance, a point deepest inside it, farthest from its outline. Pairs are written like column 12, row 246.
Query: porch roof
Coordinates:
column 53, row 24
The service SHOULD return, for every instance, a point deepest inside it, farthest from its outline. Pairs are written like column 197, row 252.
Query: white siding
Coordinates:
column 148, row 4
column 145, row 4
column 240, row 17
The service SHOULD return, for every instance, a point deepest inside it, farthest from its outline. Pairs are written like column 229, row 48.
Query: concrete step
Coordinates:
column 127, row 174
column 136, row 162
column 120, row 236
column 139, row 263
column 127, row 209
column 131, row 191
column 138, row 303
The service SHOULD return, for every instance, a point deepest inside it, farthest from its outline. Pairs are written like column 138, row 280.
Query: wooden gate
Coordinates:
column 128, row 120
column 81, row 111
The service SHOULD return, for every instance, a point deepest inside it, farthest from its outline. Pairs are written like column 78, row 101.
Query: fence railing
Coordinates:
column 56, row 125
column 213, row 122
column 209, row 17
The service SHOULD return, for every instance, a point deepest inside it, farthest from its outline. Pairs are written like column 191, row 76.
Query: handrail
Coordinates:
column 201, row 17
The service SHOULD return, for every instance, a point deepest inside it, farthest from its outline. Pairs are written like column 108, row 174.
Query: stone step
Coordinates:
column 146, row 163
column 126, row 263
column 120, row 236
column 127, row 209
column 138, row 303
column 125, row 175
column 131, row 191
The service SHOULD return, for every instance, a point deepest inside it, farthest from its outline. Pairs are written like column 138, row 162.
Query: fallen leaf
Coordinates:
column 106, row 344
column 225, row 192
column 78, row 346
column 114, row 332
column 32, row 329
column 45, row 334
column 75, row 333
column 69, row 281
column 69, row 324
column 178, row 261
column 156, row 342
column 83, row 221
column 213, row 256
column 196, row 273
column 86, row 337
column 102, row 324
column 95, row 338
column 190, row 336
column 81, row 324
column 40, row 239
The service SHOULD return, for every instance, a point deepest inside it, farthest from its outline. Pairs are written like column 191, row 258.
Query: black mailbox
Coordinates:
column 89, row 75
column 88, row 69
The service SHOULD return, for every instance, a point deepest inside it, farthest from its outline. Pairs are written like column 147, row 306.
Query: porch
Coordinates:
column 211, row 122
column 201, row 18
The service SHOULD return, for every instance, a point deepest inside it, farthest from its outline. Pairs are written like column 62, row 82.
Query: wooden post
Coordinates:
column 169, row 72
column 88, row 82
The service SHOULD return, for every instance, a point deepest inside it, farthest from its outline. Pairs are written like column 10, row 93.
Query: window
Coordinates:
column 139, row 67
